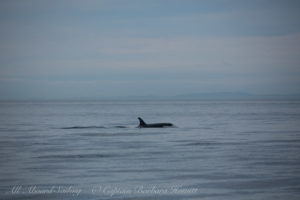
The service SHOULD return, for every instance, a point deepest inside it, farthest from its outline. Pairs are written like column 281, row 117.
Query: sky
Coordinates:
column 90, row 49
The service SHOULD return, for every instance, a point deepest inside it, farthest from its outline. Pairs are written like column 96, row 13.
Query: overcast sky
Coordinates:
column 99, row 49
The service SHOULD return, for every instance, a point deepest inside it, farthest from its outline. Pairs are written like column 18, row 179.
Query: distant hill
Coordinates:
column 215, row 96
column 212, row 96
column 237, row 96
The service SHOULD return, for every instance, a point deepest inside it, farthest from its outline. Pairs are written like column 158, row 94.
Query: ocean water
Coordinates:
column 94, row 150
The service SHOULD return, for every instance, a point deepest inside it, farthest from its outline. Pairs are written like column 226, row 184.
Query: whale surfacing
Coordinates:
column 155, row 125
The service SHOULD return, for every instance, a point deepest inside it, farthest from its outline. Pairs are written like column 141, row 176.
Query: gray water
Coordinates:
column 93, row 150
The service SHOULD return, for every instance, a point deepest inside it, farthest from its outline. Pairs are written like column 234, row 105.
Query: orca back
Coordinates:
column 155, row 125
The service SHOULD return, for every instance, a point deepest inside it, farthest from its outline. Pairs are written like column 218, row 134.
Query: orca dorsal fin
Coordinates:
column 142, row 123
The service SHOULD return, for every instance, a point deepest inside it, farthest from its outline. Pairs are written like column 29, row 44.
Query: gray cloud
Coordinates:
column 100, row 49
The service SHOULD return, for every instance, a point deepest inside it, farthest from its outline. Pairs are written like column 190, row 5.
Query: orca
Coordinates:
column 155, row 125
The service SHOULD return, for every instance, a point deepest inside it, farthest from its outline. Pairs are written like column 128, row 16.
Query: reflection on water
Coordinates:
column 84, row 150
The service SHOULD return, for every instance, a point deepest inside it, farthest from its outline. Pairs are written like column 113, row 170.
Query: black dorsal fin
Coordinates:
column 142, row 123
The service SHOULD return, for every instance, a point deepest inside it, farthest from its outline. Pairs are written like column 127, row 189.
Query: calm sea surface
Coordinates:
column 93, row 150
